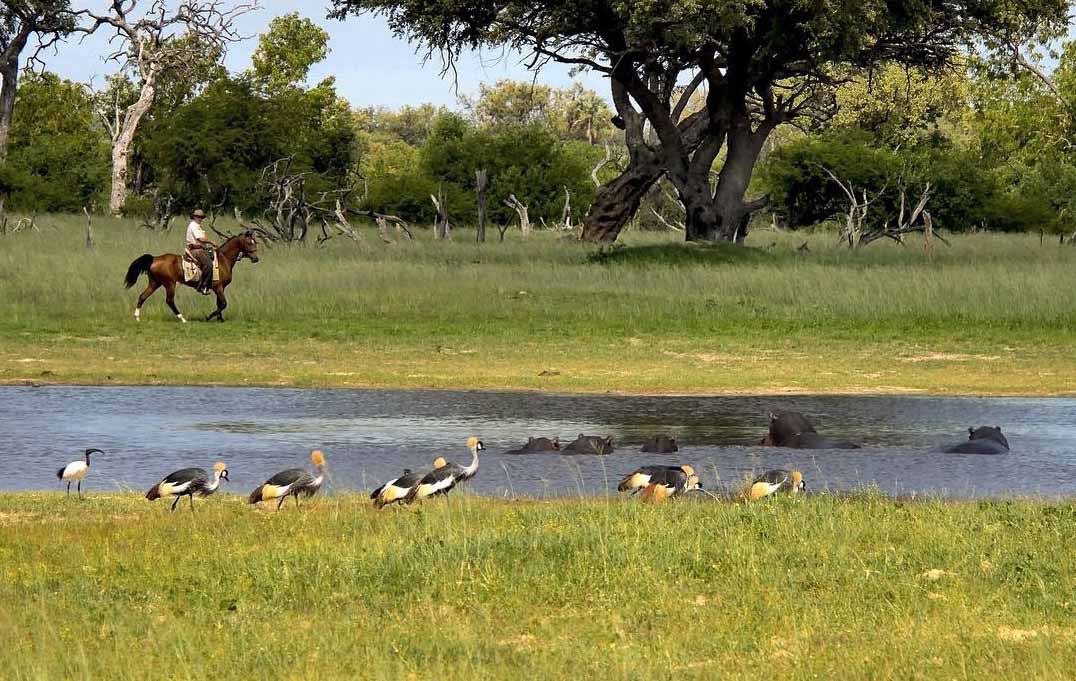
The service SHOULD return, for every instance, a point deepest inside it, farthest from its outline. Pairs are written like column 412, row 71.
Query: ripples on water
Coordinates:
column 369, row 436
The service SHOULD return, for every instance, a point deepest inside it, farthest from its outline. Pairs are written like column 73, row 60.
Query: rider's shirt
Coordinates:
column 194, row 233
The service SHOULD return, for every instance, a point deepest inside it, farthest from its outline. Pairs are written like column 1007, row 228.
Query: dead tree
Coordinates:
column 858, row 232
column 855, row 217
column 89, row 228
column 157, row 42
column 293, row 212
column 521, row 210
column 566, row 214
column 442, row 229
column 161, row 218
column 481, row 182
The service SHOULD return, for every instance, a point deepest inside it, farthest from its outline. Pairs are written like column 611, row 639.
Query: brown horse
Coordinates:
column 167, row 271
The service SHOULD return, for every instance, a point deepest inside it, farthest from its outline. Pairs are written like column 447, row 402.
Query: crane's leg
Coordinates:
column 68, row 488
column 191, row 497
column 297, row 504
column 281, row 502
column 79, row 489
column 175, row 503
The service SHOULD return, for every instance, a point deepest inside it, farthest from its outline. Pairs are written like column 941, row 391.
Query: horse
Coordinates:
column 167, row 271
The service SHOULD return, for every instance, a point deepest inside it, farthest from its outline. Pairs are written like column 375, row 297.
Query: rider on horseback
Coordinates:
column 201, row 249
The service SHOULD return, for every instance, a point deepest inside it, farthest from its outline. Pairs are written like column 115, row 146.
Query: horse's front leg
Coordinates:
column 153, row 285
column 170, row 298
column 222, row 303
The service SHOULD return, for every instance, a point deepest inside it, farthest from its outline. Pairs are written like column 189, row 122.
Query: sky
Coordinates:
column 371, row 66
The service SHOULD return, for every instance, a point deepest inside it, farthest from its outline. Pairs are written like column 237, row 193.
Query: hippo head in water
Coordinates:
column 661, row 443
column 988, row 433
column 538, row 444
column 792, row 429
column 784, row 426
column 589, row 444
column 982, row 440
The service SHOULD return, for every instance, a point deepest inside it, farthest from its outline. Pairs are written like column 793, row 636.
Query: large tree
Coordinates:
column 760, row 63
column 153, row 41
column 21, row 20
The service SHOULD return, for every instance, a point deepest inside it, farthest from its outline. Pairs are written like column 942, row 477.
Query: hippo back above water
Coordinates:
column 793, row 429
column 589, row 444
column 981, row 440
column 536, row 445
column 661, row 443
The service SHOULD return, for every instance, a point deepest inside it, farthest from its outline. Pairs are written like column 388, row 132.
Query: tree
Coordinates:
column 763, row 64
column 287, row 51
column 57, row 145
column 49, row 20
column 156, row 43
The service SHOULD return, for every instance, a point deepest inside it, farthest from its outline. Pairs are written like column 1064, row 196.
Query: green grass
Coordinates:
column 995, row 314
column 462, row 588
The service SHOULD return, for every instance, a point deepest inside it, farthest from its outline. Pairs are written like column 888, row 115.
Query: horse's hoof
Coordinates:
column 138, row 315
column 181, row 318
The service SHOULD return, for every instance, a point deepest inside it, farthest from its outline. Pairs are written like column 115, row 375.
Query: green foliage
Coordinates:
column 525, row 160
column 219, row 144
column 58, row 154
column 287, row 51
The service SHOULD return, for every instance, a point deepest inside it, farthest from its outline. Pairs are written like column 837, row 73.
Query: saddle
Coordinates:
column 192, row 273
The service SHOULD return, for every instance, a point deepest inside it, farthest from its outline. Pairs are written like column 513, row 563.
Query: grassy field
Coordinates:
column 462, row 588
column 995, row 314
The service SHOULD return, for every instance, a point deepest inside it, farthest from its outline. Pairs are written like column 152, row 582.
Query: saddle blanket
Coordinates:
column 192, row 272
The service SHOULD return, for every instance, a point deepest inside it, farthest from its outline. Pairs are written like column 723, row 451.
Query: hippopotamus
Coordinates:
column 662, row 443
column 982, row 440
column 537, row 444
column 792, row 429
column 589, row 444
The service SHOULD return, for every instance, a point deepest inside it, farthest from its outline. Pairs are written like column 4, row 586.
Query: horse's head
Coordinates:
column 248, row 245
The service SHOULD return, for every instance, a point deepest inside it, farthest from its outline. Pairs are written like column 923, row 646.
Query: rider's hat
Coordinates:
column 198, row 213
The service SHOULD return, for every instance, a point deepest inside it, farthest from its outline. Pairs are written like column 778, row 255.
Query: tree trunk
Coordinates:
column 9, row 83
column 721, row 214
column 481, row 181
column 9, row 72
column 124, row 139
column 617, row 201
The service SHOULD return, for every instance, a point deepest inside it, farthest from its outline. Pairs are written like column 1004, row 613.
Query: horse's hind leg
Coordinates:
column 150, row 288
column 222, row 303
column 170, row 297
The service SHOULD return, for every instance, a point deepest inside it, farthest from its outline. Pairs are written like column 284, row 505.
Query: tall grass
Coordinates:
column 117, row 588
column 471, row 314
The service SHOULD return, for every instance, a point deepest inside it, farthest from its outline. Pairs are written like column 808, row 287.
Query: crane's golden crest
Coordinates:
column 439, row 462
column 688, row 470
column 797, row 477
column 472, row 442
column 219, row 467
column 317, row 457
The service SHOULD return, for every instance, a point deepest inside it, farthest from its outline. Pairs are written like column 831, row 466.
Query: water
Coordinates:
column 370, row 435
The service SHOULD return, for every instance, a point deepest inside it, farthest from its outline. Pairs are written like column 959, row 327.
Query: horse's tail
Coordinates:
column 140, row 265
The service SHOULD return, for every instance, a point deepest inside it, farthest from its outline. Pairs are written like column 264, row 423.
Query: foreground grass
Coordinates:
column 996, row 314
column 462, row 588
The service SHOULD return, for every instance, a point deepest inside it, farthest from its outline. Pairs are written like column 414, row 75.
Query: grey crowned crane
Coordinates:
column 294, row 482
column 189, row 482
column 772, row 482
column 76, row 471
column 397, row 489
column 660, row 482
column 442, row 479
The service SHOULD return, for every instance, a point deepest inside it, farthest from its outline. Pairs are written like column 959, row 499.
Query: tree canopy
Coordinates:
column 763, row 64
